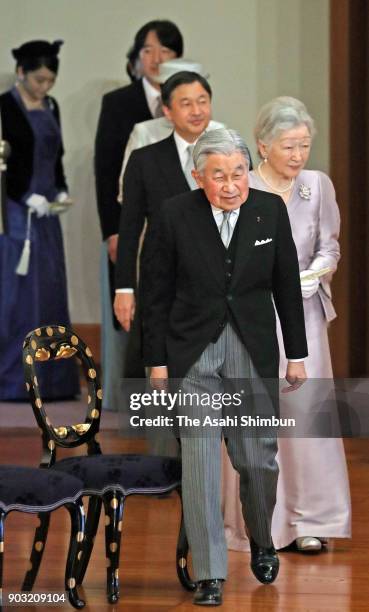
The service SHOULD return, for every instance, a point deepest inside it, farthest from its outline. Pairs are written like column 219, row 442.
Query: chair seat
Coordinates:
column 132, row 474
column 36, row 490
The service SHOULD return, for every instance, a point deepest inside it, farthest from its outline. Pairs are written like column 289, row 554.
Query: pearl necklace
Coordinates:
column 272, row 186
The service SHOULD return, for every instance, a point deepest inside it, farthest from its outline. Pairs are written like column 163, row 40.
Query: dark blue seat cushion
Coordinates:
column 132, row 474
column 34, row 489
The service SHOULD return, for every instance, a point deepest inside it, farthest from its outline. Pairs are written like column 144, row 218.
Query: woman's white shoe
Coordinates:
column 308, row 544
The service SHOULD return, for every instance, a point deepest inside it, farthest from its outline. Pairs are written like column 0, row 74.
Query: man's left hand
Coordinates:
column 112, row 243
column 295, row 375
column 159, row 378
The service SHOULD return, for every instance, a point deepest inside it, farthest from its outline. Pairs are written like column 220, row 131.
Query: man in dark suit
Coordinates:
column 153, row 174
column 156, row 42
column 224, row 252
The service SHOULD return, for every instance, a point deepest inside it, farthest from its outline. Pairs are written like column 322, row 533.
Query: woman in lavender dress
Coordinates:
column 33, row 289
column 313, row 498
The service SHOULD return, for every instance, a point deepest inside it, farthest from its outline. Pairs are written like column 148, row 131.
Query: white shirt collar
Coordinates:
column 218, row 215
column 151, row 94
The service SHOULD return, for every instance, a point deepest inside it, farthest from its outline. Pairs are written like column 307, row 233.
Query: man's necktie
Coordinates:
column 189, row 166
column 158, row 109
column 226, row 229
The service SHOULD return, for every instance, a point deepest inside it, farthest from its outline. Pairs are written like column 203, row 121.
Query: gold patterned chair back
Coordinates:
column 55, row 342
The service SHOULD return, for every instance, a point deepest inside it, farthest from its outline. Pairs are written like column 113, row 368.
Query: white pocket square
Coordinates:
column 259, row 242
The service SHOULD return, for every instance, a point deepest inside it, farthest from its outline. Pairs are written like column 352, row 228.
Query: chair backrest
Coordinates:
column 55, row 342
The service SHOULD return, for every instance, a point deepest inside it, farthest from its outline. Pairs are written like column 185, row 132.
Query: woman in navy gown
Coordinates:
column 33, row 287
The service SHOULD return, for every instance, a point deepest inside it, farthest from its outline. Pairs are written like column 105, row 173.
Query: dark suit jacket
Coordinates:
column 18, row 132
column 189, row 299
column 153, row 174
column 121, row 110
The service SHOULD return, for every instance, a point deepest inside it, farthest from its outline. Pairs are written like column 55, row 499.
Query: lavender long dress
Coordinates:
column 313, row 497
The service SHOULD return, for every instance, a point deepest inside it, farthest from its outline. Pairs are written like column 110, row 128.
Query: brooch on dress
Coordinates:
column 304, row 192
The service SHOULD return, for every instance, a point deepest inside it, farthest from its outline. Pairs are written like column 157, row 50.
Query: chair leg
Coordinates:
column 38, row 548
column 2, row 520
column 114, row 505
column 182, row 552
column 92, row 523
column 77, row 535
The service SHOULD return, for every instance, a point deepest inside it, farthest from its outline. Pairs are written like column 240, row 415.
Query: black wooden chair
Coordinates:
column 38, row 491
column 107, row 479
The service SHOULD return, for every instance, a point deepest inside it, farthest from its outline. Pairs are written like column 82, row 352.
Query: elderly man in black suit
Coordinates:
column 225, row 252
column 156, row 42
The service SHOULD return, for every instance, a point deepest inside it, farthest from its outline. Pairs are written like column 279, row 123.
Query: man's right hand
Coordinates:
column 124, row 309
column 112, row 243
column 295, row 375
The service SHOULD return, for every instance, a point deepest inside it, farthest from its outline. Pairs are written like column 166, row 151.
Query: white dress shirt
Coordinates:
column 152, row 96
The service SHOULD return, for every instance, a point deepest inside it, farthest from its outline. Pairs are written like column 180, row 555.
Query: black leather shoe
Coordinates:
column 208, row 593
column 264, row 562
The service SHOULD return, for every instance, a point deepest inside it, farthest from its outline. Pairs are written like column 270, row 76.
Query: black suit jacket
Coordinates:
column 189, row 298
column 18, row 132
column 153, row 174
column 121, row 110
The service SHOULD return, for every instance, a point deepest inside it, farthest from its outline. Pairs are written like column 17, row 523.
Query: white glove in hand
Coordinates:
column 308, row 287
column 39, row 204
column 62, row 197
column 318, row 263
column 61, row 204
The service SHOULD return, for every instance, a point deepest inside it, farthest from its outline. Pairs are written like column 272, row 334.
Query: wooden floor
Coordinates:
column 335, row 581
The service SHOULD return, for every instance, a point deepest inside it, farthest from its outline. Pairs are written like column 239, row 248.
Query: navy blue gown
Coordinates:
column 40, row 297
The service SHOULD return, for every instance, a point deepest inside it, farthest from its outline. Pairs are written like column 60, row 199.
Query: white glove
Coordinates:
column 308, row 287
column 62, row 197
column 39, row 204
column 318, row 263
column 61, row 204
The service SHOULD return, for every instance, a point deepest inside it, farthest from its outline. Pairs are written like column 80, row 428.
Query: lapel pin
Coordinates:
column 258, row 219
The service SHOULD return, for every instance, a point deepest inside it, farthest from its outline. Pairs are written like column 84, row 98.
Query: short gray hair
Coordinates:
column 218, row 142
column 280, row 114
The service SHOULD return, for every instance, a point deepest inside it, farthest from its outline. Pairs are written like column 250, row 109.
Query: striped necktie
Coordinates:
column 189, row 166
column 158, row 109
column 225, row 228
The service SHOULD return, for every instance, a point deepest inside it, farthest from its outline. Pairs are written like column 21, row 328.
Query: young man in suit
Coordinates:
column 224, row 252
column 156, row 42
column 153, row 174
